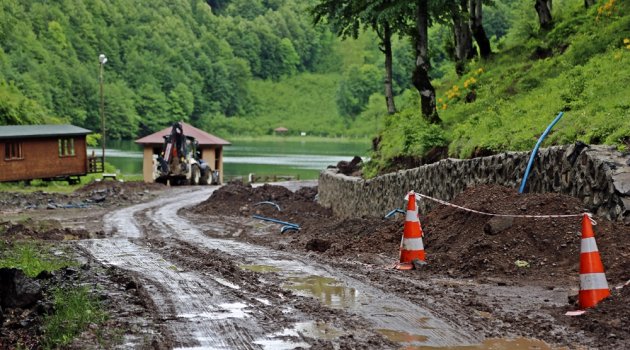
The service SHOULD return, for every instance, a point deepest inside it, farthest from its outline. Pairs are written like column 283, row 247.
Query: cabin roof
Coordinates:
column 35, row 131
column 202, row 137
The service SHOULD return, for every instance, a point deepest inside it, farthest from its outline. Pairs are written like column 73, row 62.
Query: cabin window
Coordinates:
column 66, row 147
column 13, row 151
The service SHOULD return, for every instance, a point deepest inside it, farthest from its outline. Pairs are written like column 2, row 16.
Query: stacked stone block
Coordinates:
column 598, row 175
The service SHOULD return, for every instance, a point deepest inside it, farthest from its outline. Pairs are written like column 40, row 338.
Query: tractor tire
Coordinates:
column 195, row 175
column 205, row 176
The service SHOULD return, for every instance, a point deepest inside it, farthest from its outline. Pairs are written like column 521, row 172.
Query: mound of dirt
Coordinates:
column 460, row 244
column 245, row 200
column 608, row 321
column 457, row 243
column 469, row 245
column 50, row 230
column 96, row 193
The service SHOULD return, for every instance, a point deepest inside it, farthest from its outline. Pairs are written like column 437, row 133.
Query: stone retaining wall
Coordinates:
column 599, row 176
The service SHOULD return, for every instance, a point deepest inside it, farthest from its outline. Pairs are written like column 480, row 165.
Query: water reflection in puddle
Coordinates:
column 225, row 282
column 494, row 344
column 401, row 337
column 327, row 290
column 228, row 310
column 310, row 329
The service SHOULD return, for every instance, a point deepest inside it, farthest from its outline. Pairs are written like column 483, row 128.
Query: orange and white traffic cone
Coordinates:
column 411, row 246
column 593, row 284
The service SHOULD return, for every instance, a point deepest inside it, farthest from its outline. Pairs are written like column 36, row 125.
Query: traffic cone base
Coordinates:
column 404, row 266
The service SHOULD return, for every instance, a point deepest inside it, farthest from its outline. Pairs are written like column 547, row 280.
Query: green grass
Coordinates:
column 75, row 310
column 32, row 257
column 63, row 186
column 304, row 103
column 518, row 94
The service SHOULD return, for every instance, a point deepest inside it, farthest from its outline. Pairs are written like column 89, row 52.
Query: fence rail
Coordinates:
column 95, row 165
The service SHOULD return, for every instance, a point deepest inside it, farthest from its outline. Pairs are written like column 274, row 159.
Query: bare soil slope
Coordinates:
column 461, row 244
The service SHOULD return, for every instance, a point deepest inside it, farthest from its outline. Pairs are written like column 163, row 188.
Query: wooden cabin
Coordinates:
column 211, row 149
column 43, row 152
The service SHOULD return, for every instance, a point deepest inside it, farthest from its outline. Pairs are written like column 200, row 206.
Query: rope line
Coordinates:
column 420, row 195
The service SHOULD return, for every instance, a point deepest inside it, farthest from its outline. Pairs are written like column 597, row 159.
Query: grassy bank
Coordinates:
column 74, row 308
column 63, row 186
column 506, row 102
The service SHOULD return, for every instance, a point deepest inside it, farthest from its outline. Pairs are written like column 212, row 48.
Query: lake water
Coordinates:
column 278, row 157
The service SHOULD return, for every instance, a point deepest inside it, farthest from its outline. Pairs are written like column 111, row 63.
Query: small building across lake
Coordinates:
column 210, row 145
column 43, row 152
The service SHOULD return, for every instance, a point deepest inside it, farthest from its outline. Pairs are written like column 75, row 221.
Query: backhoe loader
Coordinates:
column 180, row 161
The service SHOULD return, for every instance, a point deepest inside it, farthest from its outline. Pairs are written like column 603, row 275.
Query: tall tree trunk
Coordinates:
column 463, row 37
column 421, row 79
column 589, row 3
column 543, row 7
column 476, row 26
column 389, row 76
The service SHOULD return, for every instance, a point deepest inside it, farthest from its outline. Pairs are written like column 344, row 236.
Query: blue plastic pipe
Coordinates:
column 393, row 212
column 286, row 228
column 535, row 151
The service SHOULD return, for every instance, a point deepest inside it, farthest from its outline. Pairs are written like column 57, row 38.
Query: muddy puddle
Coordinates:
column 311, row 329
column 332, row 288
column 328, row 290
column 490, row 344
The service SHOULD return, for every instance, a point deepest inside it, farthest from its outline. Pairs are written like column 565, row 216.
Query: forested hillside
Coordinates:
column 438, row 77
column 576, row 61
column 167, row 60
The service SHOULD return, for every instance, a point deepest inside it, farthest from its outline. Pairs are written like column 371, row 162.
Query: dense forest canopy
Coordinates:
column 231, row 66
column 463, row 77
column 167, row 60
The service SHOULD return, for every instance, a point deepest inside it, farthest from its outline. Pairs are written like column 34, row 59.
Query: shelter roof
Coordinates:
column 201, row 136
column 22, row 131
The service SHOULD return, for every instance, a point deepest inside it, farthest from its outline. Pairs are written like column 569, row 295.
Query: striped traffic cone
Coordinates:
column 411, row 246
column 593, row 285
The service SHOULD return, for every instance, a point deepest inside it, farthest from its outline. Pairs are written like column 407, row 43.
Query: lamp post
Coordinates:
column 102, row 60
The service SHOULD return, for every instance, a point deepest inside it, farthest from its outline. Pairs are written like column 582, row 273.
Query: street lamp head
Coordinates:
column 102, row 59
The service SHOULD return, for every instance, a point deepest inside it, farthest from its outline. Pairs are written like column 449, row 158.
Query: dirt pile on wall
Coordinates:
column 467, row 244
column 457, row 243
column 460, row 244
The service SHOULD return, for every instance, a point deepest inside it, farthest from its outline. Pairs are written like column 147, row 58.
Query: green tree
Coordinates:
column 347, row 17
column 289, row 58
column 121, row 119
column 476, row 26
column 543, row 8
column 16, row 109
column 182, row 102
column 356, row 87
column 152, row 108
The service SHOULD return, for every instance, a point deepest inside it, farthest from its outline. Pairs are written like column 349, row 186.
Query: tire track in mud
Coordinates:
column 201, row 309
column 199, row 312
column 387, row 313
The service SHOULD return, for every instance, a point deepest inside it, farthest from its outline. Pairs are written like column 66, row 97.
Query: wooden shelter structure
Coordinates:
column 211, row 149
column 49, row 152
column 280, row 130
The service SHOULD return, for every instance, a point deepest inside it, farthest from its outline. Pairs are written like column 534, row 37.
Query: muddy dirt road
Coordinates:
column 191, row 268
column 214, row 293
